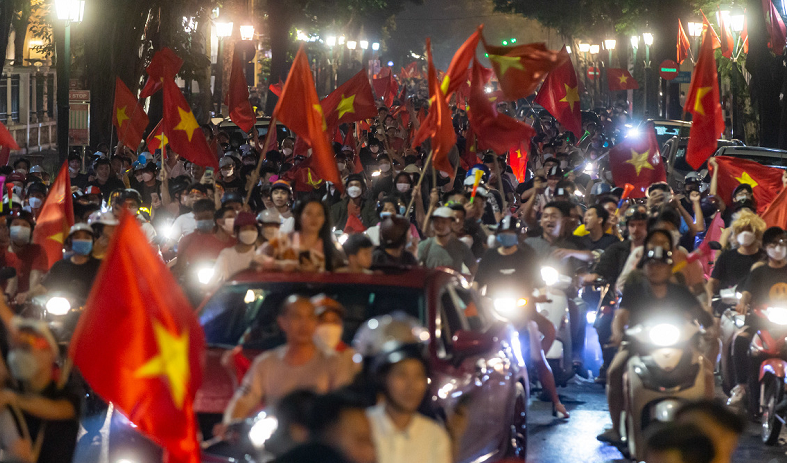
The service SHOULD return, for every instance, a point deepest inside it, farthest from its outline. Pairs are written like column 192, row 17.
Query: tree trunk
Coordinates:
column 20, row 32
column 6, row 13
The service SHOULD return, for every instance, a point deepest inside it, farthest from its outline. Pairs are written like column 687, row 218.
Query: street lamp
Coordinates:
column 584, row 47
column 609, row 44
column 364, row 44
column 736, row 22
column 634, row 42
column 695, row 28
column 330, row 41
column 68, row 11
column 341, row 40
column 594, row 49
column 375, row 46
column 223, row 30
column 352, row 44
column 647, row 37
column 246, row 32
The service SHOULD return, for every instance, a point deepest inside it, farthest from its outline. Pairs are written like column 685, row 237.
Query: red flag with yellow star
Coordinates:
column 457, row 70
column 702, row 102
column 637, row 161
column 706, row 27
column 299, row 109
column 164, row 65
column 684, row 45
column 184, row 133
column 139, row 344
column 156, row 138
column 128, row 117
column 620, row 79
column 352, row 101
column 765, row 181
column 519, row 69
column 237, row 99
column 56, row 218
column 560, row 95
column 517, row 159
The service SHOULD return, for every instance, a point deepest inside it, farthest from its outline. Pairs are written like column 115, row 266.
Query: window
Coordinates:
column 452, row 317
column 4, row 99
column 15, row 98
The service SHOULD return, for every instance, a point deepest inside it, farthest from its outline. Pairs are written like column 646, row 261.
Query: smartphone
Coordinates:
column 154, row 197
column 208, row 177
column 304, row 257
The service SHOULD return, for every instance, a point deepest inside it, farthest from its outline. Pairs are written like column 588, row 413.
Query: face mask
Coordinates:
column 287, row 151
column 82, row 247
column 34, row 202
column 354, row 191
column 21, row 171
column 147, row 176
column 229, row 224
column 385, row 167
column 205, row 226
column 745, row 238
column 384, row 215
column 248, row 237
column 777, row 253
column 22, row 364
column 563, row 164
column 403, row 187
column 507, row 240
column 328, row 335
column 402, row 210
column 741, row 198
column 340, row 166
column 20, row 234
column 675, row 237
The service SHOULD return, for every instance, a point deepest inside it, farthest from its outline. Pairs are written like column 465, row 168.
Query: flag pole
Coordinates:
column 265, row 147
column 418, row 185
column 500, row 185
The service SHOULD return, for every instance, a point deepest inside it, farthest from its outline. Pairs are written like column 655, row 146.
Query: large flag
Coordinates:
column 519, row 69
column 139, row 345
column 517, row 159
column 493, row 130
column 775, row 215
column 438, row 124
column 300, row 110
column 352, row 101
column 128, row 117
column 727, row 42
column 703, row 103
column 775, row 27
column 237, row 101
column 164, row 65
column 620, row 79
column 764, row 181
column 156, row 138
column 184, row 133
column 457, row 70
column 684, row 45
column 706, row 26
column 56, row 218
column 637, row 161
column 560, row 95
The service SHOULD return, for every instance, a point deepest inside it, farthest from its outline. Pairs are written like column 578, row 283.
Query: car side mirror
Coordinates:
column 468, row 343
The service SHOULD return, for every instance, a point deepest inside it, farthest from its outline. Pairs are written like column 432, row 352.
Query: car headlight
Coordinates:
column 777, row 315
column 507, row 306
column 632, row 132
column 58, row 305
column 550, row 275
column 205, row 275
column 263, row 429
column 664, row 335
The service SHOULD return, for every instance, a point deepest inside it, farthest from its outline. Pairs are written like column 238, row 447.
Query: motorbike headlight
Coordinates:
column 263, row 429
column 205, row 275
column 507, row 306
column 58, row 305
column 343, row 238
column 664, row 335
column 550, row 276
column 777, row 315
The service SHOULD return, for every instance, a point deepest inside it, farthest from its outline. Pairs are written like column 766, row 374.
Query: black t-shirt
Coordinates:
column 732, row 267
column 473, row 228
column 72, row 278
column 766, row 284
column 641, row 303
column 380, row 258
column 517, row 271
column 60, row 436
column 112, row 184
column 146, row 191
column 602, row 243
column 237, row 185
column 80, row 181
column 611, row 263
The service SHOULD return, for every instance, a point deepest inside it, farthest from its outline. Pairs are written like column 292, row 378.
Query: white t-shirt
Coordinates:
column 287, row 225
column 231, row 262
column 182, row 226
column 424, row 441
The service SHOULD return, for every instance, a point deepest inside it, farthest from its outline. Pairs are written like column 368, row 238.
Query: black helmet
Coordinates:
column 178, row 186
column 131, row 193
column 509, row 223
column 231, row 197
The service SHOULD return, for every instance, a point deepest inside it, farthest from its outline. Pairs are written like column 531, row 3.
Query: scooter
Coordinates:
column 769, row 345
column 557, row 312
column 195, row 281
column 665, row 369
column 730, row 324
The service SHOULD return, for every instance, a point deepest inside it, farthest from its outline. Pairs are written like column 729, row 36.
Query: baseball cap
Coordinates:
column 226, row 161
column 444, row 212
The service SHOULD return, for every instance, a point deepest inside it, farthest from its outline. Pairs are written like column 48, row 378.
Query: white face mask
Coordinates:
column 778, row 253
column 147, row 176
column 741, row 198
column 354, row 191
column 20, row 234
column 328, row 335
column 403, row 187
column 287, row 151
column 34, row 202
column 248, row 236
column 745, row 238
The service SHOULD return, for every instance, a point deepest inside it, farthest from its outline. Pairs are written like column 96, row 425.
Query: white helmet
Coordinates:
column 103, row 218
column 386, row 332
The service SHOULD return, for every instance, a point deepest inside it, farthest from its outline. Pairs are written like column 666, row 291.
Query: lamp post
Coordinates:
column 68, row 11
column 609, row 44
column 223, row 30
column 634, row 40
column 594, row 51
column 584, row 48
column 647, row 37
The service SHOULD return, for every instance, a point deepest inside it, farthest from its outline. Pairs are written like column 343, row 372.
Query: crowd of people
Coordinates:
column 265, row 211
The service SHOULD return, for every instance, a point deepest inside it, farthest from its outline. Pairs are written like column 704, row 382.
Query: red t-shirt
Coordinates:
column 31, row 257
column 198, row 246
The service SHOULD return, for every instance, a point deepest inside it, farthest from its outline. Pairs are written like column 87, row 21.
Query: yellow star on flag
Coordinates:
column 701, row 92
column 162, row 138
column 121, row 116
column 318, row 108
column 187, row 122
column 746, row 178
column 347, row 105
column 310, row 181
column 57, row 237
column 444, row 85
column 171, row 362
column 640, row 161
column 572, row 96
column 623, row 78
column 506, row 62
column 60, row 237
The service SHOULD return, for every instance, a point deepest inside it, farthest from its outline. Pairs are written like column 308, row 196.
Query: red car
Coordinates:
column 472, row 353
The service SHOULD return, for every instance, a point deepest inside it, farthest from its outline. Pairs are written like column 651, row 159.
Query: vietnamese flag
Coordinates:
column 438, row 124
column 470, row 156
column 493, row 130
column 702, row 102
column 776, row 213
column 352, row 101
column 560, row 95
column 139, row 345
column 745, row 34
column 765, row 181
column 620, row 79
column 156, row 138
column 684, row 45
column 164, row 65
column 707, row 26
column 517, row 159
column 56, row 218
column 519, row 69
column 128, row 117
column 457, row 70
column 237, row 100
column 775, row 27
column 276, row 88
column 637, row 161
column 727, row 43
column 184, row 133
column 300, row 110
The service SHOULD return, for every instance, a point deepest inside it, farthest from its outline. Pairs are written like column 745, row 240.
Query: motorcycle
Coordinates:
column 730, row 324
column 557, row 312
column 665, row 369
column 195, row 281
column 252, row 440
column 769, row 345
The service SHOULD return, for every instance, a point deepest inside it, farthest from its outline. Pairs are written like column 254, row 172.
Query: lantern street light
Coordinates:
column 375, row 46
column 247, row 32
column 736, row 22
column 352, row 44
column 223, row 30
column 330, row 41
column 584, row 47
column 594, row 49
column 364, row 44
column 68, row 11
column 647, row 37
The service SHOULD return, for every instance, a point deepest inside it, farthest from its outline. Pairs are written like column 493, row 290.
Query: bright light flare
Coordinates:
column 664, row 335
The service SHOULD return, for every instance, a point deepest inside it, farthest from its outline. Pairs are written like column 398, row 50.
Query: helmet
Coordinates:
column 509, row 223
column 393, row 231
column 269, row 216
column 36, row 169
column 36, row 187
column 81, row 226
column 396, row 354
column 692, row 177
column 103, row 218
column 92, row 190
column 386, row 332
column 178, row 186
column 483, row 167
column 231, row 197
column 281, row 185
column 600, row 188
column 130, row 193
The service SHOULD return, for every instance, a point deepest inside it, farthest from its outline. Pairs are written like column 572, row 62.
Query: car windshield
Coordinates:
column 665, row 132
column 764, row 160
column 680, row 160
column 246, row 313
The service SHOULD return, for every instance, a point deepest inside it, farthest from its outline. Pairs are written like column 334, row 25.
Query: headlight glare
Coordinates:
column 205, row 275
column 550, row 276
column 664, row 335
column 263, row 429
column 58, row 305
column 777, row 315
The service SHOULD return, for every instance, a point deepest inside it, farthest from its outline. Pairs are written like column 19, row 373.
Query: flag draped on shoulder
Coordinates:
column 241, row 112
column 521, row 68
column 183, row 132
column 128, row 117
column 56, row 218
column 139, row 345
column 560, row 95
column 702, row 102
column 637, row 161
column 352, row 101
